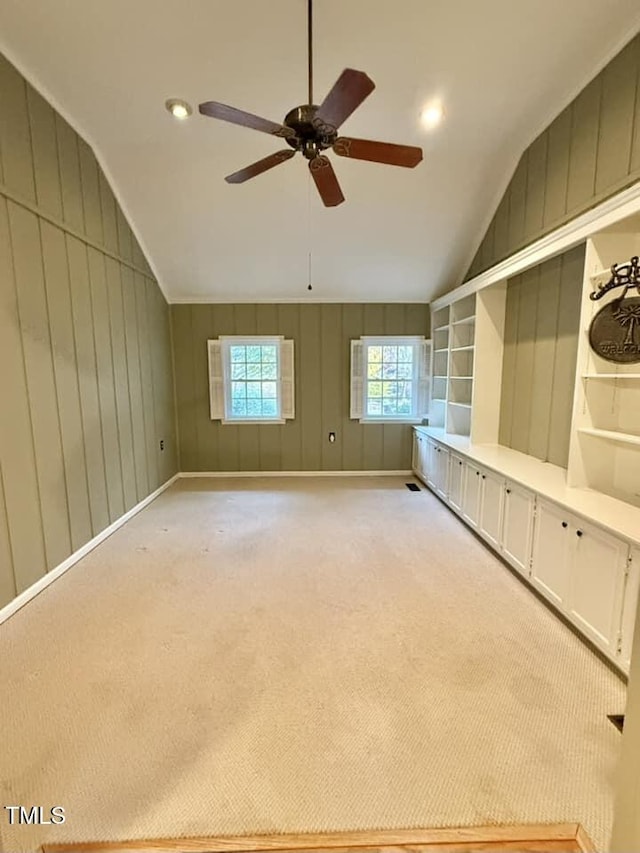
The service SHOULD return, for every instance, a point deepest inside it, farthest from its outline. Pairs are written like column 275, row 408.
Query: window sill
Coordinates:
column 261, row 421
column 413, row 421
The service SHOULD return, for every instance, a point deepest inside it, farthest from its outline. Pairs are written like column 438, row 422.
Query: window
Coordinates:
column 251, row 379
column 389, row 379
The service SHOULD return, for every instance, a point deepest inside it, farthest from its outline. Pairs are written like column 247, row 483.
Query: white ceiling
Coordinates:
column 503, row 69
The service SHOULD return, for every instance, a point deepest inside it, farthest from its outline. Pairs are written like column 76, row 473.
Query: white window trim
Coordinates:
column 220, row 377
column 421, row 377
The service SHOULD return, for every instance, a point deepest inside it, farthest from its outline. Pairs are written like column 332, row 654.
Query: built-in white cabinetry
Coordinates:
column 517, row 526
column 456, row 481
column 598, row 566
column 581, row 569
column 550, row 563
column 471, row 495
column 420, row 462
column 491, row 508
column 589, row 574
column 630, row 606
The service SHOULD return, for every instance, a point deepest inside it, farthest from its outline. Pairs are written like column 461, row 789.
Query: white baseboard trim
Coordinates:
column 26, row 595
column 242, row 474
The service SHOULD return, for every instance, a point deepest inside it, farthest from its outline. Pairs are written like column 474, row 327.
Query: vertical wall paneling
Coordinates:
column 544, row 355
column 322, row 335
column 82, row 314
column 90, row 192
column 589, row 152
column 20, row 479
column 106, row 382
column 69, row 167
column 108, row 214
column 619, row 81
column 7, row 580
column 541, row 329
column 512, row 313
column 134, row 375
column 147, row 381
column 288, row 325
column 527, row 315
column 121, row 381
column 517, row 204
column 351, row 439
column 41, row 387
column 56, row 270
column 15, row 137
column 334, row 372
column 78, row 346
column 501, row 234
column 572, row 271
column 558, row 146
column 584, row 146
column 42, row 121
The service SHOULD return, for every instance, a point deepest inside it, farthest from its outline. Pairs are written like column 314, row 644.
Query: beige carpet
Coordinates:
column 298, row 655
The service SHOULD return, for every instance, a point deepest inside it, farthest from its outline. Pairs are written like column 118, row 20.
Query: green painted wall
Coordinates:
column 540, row 351
column 85, row 347
column 590, row 152
column 322, row 333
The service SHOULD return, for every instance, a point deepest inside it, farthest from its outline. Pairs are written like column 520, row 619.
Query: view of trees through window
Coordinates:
column 254, row 381
column 389, row 383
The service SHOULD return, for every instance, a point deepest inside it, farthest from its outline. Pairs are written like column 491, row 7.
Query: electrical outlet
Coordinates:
column 162, row 444
column 332, row 437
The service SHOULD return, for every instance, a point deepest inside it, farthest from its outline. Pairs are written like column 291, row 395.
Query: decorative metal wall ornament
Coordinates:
column 614, row 333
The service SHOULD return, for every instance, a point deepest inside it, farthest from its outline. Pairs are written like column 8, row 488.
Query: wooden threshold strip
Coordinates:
column 537, row 838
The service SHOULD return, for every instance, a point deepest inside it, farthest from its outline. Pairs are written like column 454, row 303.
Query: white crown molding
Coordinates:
column 37, row 587
column 608, row 212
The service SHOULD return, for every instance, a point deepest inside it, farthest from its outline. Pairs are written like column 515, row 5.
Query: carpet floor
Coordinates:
column 298, row 655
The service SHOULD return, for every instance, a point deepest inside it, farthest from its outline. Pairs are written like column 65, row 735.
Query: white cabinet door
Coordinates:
column 471, row 495
column 415, row 455
column 456, row 482
column 517, row 528
column 597, row 583
column 491, row 504
column 630, row 609
column 432, row 464
column 551, row 561
column 442, row 482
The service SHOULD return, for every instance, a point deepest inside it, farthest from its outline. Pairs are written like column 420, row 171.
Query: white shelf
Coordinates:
column 465, row 320
column 438, row 400
column 462, row 405
column 462, row 349
column 438, row 376
column 441, row 328
column 468, row 378
column 442, row 349
column 611, row 375
column 612, row 435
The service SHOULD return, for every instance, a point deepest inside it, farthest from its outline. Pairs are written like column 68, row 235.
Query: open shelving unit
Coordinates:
column 439, row 366
column 605, row 443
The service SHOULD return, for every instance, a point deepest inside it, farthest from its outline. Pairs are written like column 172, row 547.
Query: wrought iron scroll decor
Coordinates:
column 615, row 329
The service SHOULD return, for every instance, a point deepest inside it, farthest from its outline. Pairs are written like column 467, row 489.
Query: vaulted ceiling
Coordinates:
column 502, row 69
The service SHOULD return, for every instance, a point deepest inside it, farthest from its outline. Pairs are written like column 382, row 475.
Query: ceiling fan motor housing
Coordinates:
column 310, row 137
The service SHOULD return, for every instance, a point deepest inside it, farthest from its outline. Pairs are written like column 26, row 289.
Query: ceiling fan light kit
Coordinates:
column 311, row 130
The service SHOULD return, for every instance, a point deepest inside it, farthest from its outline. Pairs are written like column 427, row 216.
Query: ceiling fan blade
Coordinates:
column 231, row 114
column 378, row 152
column 326, row 181
column 259, row 167
column 348, row 92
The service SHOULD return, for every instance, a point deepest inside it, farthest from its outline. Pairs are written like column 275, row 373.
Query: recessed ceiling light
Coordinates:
column 178, row 109
column 431, row 116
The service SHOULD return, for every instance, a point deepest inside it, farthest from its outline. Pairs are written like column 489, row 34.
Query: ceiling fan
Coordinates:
column 312, row 129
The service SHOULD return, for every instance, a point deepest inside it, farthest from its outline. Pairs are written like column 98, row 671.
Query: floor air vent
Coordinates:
column 617, row 720
column 412, row 487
